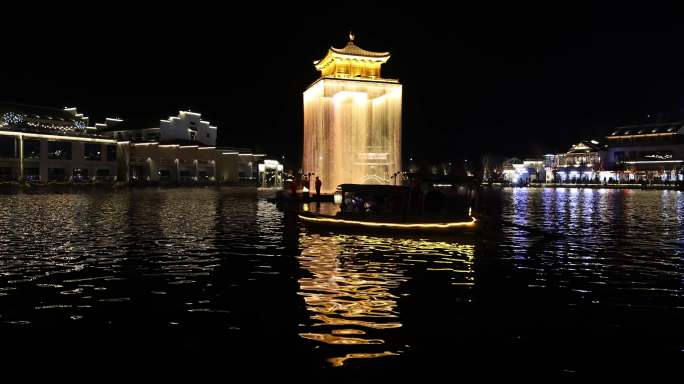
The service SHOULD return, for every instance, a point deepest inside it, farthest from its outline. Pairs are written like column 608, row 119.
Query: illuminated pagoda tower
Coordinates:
column 352, row 119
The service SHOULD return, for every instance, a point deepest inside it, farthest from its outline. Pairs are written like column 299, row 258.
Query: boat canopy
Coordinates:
column 439, row 198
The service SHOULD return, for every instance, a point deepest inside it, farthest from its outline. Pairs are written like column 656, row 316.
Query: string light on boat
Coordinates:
column 458, row 224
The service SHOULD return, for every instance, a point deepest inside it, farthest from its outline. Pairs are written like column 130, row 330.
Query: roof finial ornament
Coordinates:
column 351, row 36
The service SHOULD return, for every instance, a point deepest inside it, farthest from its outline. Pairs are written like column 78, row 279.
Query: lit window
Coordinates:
column 92, row 151
column 59, row 150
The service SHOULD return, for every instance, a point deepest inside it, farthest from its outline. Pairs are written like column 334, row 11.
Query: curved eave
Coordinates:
column 356, row 51
column 331, row 55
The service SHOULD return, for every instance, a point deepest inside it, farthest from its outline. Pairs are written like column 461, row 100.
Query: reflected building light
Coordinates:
column 351, row 296
column 339, row 361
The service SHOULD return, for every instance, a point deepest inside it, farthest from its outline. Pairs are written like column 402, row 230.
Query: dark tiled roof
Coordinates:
column 45, row 120
column 646, row 129
column 32, row 111
column 132, row 123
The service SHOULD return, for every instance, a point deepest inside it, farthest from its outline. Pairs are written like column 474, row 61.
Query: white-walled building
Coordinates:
column 187, row 126
column 516, row 171
column 181, row 149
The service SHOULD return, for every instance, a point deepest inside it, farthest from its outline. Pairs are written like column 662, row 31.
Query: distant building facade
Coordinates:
column 520, row 172
column 646, row 152
column 581, row 162
column 635, row 153
column 43, row 144
column 271, row 174
column 49, row 144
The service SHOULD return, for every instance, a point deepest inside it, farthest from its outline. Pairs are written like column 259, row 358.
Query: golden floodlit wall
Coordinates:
column 352, row 131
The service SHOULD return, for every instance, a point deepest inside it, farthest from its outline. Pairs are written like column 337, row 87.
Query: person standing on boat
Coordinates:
column 306, row 187
column 318, row 185
column 293, row 189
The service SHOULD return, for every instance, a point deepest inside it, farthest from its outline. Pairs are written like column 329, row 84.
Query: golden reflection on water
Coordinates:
column 355, row 282
column 339, row 361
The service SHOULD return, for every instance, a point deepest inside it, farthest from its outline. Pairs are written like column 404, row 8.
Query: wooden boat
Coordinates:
column 428, row 207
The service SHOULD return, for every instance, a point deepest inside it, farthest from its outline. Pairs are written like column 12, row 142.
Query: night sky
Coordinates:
column 510, row 81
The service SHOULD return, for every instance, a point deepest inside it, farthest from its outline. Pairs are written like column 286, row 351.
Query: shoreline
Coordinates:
column 13, row 185
column 87, row 186
column 656, row 187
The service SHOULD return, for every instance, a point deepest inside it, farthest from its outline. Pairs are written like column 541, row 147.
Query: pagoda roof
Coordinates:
column 354, row 51
column 39, row 112
column 585, row 147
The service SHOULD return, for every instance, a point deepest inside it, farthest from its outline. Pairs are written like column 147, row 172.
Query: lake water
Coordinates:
column 202, row 278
